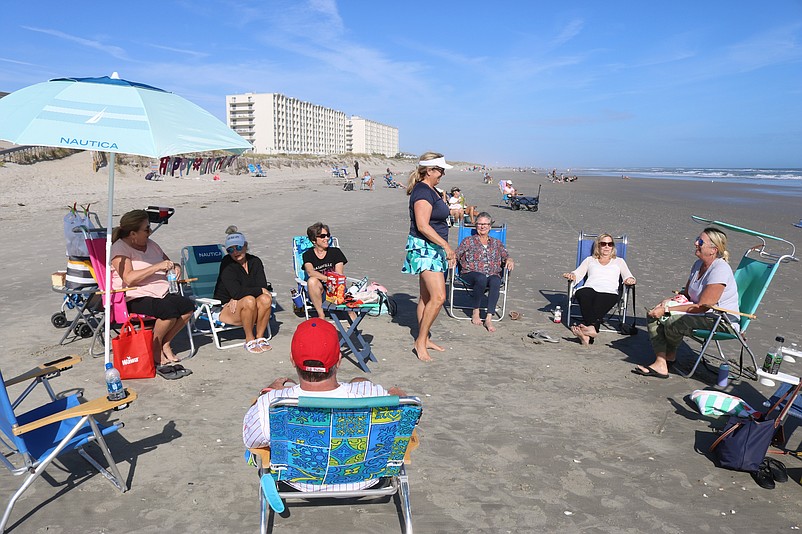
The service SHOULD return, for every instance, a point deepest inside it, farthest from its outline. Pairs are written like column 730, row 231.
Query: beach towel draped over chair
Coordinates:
column 752, row 276
column 618, row 315
column 201, row 265
column 320, row 442
column 456, row 286
column 60, row 425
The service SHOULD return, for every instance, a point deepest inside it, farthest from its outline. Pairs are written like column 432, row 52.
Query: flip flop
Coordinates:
column 167, row 372
column 181, row 370
column 264, row 344
column 650, row 372
column 543, row 337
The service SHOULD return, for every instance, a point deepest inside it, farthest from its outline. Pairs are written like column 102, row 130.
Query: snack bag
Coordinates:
column 335, row 288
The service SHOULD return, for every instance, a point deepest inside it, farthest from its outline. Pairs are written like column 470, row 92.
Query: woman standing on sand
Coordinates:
column 711, row 284
column 428, row 252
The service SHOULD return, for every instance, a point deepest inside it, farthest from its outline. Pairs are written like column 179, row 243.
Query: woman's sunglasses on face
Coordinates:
column 323, row 236
column 606, row 243
column 234, row 248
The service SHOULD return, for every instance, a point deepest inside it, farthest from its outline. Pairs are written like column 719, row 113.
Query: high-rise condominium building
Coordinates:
column 277, row 124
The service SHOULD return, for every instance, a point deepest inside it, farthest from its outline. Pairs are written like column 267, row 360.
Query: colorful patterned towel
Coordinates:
column 717, row 403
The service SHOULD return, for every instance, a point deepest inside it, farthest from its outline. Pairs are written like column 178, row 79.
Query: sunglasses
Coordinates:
column 323, row 236
column 234, row 248
column 701, row 243
column 442, row 171
column 606, row 243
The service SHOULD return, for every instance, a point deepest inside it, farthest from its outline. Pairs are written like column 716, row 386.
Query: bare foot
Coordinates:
column 583, row 339
column 167, row 352
column 588, row 330
column 422, row 353
column 476, row 320
column 432, row 345
column 489, row 325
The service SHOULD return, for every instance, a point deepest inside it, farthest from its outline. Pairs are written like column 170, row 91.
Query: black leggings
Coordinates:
column 594, row 305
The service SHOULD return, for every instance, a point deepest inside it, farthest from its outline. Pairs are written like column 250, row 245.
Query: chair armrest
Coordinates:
column 414, row 441
column 263, row 453
column 300, row 281
column 45, row 369
column 95, row 406
column 208, row 300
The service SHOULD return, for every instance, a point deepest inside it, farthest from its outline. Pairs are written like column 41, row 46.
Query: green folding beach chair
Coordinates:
column 753, row 276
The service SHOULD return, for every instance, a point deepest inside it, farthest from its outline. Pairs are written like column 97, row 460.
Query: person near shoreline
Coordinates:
column 140, row 264
column 599, row 293
column 482, row 259
column 244, row 292
column 428, row 253
column 319, row 260
column 315, row 356
column 711, row 283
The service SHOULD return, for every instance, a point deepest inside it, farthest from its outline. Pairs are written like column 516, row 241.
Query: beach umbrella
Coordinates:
column 113, row 115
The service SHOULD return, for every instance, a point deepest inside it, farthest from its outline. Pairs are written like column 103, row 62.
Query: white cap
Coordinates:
column 436, row 162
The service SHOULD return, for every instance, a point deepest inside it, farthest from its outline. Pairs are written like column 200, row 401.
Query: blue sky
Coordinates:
column 565, row 84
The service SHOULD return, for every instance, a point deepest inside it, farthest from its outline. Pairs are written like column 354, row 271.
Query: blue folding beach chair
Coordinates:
column 323, row 441
column 752, row 276
column 584, row 249
column 201, row 265
column 456, row 285
column 61, row 425
column 255, row 170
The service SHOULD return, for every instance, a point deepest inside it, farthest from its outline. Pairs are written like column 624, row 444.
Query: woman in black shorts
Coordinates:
column 140, row 264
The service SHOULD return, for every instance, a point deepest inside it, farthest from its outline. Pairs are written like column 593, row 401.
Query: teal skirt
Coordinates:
column 424, row 256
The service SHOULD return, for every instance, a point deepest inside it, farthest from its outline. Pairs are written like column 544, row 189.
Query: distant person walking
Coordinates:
column 356, row 169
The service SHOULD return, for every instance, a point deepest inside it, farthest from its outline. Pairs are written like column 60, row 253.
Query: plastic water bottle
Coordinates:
column 723, row 379
column 558, row 314
column 113, row 383
column 172, row 279
column 774, row 357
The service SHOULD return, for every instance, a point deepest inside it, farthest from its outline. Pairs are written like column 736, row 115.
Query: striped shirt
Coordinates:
column 256, row 426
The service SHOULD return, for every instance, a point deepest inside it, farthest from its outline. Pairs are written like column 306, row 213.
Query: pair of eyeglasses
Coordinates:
column 606, row 243
column 483, row 224
column 442, row 171
column 234, row 248
column 323, row 236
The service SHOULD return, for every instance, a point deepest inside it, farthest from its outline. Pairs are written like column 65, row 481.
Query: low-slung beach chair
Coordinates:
column 752, row 276
column 323, row 441
column 201, row 265
column 255, row 170
column 584, row 248
column 301, row 244
column 456, row 285
column 37, row 437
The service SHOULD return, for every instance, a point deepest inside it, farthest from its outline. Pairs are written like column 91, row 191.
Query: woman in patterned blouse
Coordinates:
column 481, row 260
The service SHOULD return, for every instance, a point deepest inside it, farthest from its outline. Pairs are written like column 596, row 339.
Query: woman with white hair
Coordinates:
column 243, row 289
column 428, row 252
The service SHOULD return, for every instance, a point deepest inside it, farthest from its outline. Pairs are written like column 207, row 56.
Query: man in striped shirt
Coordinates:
column 315, row 350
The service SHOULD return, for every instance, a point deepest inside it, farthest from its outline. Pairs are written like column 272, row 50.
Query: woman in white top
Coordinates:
column 600, row 292
column 711, row 283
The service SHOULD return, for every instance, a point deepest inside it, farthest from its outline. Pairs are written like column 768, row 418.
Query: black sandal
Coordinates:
column 168, row 372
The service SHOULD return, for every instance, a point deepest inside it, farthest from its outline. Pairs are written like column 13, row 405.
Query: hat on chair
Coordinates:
column 315, row 342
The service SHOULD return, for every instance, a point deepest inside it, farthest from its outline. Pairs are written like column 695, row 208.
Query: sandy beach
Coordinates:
column 515, row 436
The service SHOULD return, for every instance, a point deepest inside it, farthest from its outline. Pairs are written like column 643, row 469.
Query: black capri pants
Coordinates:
column 170, row 306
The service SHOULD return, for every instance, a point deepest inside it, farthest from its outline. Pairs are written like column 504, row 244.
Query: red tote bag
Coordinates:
column 133, row 351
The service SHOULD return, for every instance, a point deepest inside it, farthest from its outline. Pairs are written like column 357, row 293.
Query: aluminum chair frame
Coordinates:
column 584, row 248
column 455, row 284
column 298, row 268
column 272, row 496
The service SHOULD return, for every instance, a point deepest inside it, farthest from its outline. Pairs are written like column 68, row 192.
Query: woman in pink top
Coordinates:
column 140, row 264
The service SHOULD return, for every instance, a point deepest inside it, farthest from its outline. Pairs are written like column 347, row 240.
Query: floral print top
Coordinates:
column 473, row 256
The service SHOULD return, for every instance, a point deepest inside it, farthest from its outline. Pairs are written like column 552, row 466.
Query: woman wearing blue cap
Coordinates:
column 243, row 290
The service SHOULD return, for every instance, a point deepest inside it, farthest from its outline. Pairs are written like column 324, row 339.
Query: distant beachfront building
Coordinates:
column 365, row 136
column 278, row 124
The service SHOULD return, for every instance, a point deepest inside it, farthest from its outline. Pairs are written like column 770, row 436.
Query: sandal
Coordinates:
column 180, row 370
column 514, row 315
column 167, row 372
column 253, row 347
column 264, row 344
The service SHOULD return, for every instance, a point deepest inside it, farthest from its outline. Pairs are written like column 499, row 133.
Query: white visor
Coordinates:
column 437, row 162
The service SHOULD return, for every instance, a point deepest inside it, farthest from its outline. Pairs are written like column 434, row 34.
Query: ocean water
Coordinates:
column 754, row 175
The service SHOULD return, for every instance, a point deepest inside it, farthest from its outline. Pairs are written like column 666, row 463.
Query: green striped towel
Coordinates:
column 717, row 403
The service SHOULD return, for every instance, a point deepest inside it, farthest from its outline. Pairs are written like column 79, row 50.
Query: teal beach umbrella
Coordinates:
column 112, row 115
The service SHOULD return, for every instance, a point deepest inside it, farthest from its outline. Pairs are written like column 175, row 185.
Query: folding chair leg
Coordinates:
column 702, row 350
column 112, row 474
column 33, row 475
column 403, row 495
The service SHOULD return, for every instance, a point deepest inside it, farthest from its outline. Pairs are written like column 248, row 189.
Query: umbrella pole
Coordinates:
column 107, row 295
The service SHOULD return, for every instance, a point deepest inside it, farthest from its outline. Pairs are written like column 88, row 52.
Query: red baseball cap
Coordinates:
column 315, row 342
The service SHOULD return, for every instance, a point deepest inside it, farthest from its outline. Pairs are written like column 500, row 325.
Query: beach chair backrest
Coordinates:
column 752, row 277
column 202, row 262
column 499, row 232
column 301, row 244
column 584, row 248
column 8, row 420
column 317, row 440
column 97, row 254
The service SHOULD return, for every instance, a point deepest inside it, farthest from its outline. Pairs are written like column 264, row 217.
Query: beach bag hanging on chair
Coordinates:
column 133, row 351
column 76, row 243
column 744, row 442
